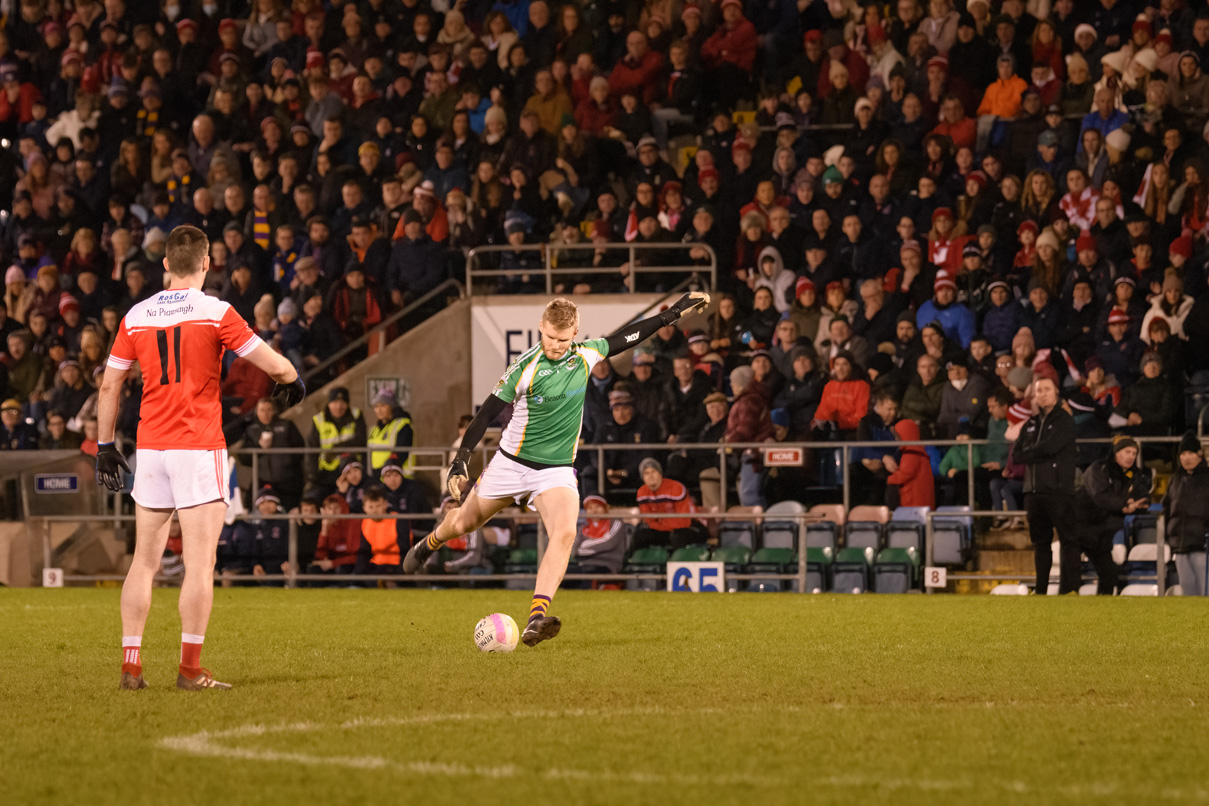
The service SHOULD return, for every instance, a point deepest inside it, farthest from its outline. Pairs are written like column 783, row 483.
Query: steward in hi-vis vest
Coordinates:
column 337, row 429
column 391, row 438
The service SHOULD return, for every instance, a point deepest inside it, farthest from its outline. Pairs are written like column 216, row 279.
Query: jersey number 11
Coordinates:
column 161, row 340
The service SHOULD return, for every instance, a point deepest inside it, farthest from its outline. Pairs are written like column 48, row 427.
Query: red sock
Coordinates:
column 131, row 645
column 191, row 646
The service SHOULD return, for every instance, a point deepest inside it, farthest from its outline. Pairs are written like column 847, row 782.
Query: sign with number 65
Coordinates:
column 696, row 577
column 935, row 577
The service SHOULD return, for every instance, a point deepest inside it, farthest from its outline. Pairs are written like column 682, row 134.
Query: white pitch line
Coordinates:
column 207, row 744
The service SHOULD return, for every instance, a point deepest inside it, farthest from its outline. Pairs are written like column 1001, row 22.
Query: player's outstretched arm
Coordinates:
column 458, row 472
column 634, row 334
column 109, row 459
column 289, row 389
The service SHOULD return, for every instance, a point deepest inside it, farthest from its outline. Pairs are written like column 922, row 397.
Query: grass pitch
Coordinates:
column 380, row 696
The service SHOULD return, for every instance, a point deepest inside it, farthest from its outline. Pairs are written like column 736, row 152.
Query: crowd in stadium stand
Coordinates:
column 916, row 208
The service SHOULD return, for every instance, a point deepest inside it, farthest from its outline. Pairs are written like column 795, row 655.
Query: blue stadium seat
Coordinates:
column 744, row 533
column 781, row 534
column 906, row 529
column 866, row 527
column 825, row 532
column 952, row 536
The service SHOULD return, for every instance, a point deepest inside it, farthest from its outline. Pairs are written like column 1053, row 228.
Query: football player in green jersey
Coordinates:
column 546, row 386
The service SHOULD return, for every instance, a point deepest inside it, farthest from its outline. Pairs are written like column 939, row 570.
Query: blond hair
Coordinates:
column 561, row 313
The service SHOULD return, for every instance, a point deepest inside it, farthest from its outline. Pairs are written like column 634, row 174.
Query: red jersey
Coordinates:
column 178, row 337
column 671, row 497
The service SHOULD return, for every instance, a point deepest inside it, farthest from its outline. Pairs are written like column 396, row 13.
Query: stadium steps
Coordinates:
column 434, row 361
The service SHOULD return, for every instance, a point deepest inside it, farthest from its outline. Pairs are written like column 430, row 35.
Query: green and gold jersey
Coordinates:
column 549, row 402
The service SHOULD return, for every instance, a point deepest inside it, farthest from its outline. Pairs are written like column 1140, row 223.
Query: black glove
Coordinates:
column 287, row 395
column 458, row 473
column 685, row 303
column 108, row 462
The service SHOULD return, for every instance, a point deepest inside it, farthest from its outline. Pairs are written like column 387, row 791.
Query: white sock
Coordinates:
column 190, row 638
column 132, row 640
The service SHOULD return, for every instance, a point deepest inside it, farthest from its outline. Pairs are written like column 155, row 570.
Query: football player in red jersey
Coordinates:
column 178, row 336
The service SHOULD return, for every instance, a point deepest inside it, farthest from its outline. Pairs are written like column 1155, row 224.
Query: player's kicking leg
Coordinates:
column 200, row 529
column 151, row 536
column 559, row 509
column 472, row 514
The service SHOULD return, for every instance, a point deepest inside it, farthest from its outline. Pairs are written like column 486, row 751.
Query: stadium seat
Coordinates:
column 690, row 554
column 818, row 569
column 771, row 561
column 894, row 570
column 906, row 529
column 520, row 561
column 825, row 532
column 649, row 560
column 952, row 536
column 734, row 559
column 866, row 527
column 740, row 532
column 781, row 533
column 1142, row 527
column 850, row 571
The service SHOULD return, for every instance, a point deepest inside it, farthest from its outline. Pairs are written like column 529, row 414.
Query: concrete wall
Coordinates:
column 434, row 360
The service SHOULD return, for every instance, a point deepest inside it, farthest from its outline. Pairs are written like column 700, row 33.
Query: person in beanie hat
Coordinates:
column 601, row 542
column 661, row 495
column 1148, row 404
column 955, row 319
column 1112, row 488
column 1186, row 511
column 391, row 437
column 337, row 428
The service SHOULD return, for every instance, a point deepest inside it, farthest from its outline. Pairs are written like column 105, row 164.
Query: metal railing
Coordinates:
column 379, row 331
column 549, row 270
column 291, row 575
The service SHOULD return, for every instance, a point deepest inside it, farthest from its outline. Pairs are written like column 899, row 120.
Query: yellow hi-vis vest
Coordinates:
column 329, row 436
column 383, row 437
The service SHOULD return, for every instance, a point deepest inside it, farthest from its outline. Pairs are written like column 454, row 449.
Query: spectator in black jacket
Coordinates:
column 1046, row 447
column 1186, row 507
column 263, row 428
column 684, row 400
column 416, row 263
column 1111, row 488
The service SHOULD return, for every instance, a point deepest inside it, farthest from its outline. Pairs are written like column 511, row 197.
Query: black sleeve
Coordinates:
column 491, row 408
column 634, row 334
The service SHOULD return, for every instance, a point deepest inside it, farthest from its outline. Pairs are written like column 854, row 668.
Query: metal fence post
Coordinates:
column 600, row 470
column 292, row 577
column 844, row 469
column 255, row 472
column 928, row 546
column 722, row 479
column 970, row 475
column 549, row 274
column 633, row 281
column 801, row 554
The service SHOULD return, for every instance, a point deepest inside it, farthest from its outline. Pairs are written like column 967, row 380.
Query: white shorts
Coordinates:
column 506, row 478
column 179, row 479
